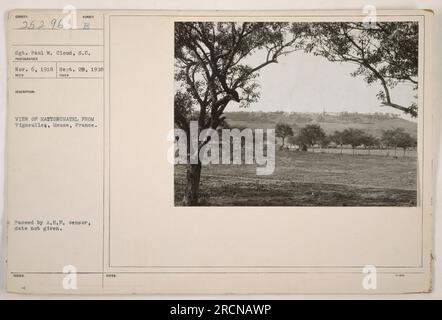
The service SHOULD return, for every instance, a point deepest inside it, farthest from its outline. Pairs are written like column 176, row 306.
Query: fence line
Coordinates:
column 360, row 151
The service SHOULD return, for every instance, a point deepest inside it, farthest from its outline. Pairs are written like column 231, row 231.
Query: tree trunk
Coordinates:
column 353, row 151
column 342, row 147
column 191, row 192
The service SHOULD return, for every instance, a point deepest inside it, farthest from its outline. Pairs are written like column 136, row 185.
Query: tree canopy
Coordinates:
column 353, row 137
column 283, row 131
column 398, row 138
column 212, row 69
column 386, row 53
column 311, row 135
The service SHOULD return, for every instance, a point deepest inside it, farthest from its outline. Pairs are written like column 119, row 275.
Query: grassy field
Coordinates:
column 309, row 179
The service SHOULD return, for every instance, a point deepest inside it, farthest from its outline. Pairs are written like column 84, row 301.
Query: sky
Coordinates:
column 302, row 82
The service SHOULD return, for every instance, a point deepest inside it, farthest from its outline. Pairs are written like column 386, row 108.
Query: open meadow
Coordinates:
column 310, row 179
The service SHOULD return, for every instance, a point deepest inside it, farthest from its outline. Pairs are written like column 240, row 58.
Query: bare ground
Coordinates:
column 309, row 179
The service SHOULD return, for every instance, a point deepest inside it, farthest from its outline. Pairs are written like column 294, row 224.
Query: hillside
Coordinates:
column 373, row 123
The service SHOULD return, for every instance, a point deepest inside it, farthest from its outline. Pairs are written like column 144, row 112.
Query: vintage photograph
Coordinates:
column 296, row 113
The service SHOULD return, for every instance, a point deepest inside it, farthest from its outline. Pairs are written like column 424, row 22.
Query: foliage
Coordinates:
column 353, row 137
column 398, row 138
column 338, row 138
column 386, row 53
column 311, row 135
column 211, row 65
column 370, row 141
column 283, row 131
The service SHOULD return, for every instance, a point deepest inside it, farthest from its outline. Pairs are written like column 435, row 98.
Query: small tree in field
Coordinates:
column 406, row 141
column 283, row 131
column 325, row 142
column 353, row 137
column 398, row 138
column 369, row 141
column 338, row 138
column 311, row 135
column 388, row 140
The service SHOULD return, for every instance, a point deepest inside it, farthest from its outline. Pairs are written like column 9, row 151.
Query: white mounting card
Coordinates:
column 248, row 152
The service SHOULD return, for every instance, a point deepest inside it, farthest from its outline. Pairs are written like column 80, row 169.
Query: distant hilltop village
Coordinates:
column 373, row 123
column 313, row 115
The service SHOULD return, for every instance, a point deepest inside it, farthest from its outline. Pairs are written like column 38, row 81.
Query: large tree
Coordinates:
column 386, row 53
column 213, row 69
